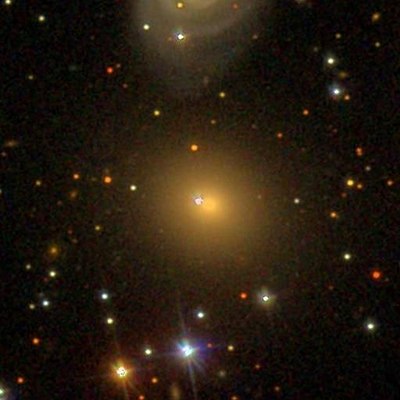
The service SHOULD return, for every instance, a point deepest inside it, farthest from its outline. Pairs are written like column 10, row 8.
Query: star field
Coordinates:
column 199, row 200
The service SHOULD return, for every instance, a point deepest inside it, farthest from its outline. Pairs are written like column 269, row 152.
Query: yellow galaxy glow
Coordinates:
column 201, row 204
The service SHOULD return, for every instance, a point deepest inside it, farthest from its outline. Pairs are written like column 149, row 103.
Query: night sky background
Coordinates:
column 109, row 291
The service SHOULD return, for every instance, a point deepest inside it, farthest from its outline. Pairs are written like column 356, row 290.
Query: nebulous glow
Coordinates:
column 213, row 26
column 205, row 207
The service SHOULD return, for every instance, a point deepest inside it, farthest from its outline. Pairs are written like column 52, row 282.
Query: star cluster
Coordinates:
column 199, row 200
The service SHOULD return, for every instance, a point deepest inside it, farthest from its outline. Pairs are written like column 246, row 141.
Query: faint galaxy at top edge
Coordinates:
column 190, row 44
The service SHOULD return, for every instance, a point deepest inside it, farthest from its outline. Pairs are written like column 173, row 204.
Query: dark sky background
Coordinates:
column 301, row 113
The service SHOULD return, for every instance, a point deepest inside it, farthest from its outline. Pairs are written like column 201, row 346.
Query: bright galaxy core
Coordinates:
column 203, row 204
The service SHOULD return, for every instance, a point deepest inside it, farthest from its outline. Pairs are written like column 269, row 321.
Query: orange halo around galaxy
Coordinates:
column 208, row 204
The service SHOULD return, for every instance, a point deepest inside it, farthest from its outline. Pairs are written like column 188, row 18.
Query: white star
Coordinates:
column 198, row 200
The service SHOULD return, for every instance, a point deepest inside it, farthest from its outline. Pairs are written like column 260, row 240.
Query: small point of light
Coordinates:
column 54, row 250
column 28, row 267
column 231, row 348
column 359, row 151
column 179, row 5
column 279, row 135
column 334, row 215
column 336, row 91
column 98, row 228
column 330, row 61
column 156, row 113
column 296, row 200
column 104, row 296
column 347, row 256
column 52, row 274
column 45, row 303
column 350, row 182
column 110, row 321
column 222, row 95
column 41, row 18
column 390, row 182
column 376, row 16
column 154, row 380
column 146, row 27
column 8, row 2
column 76, row 177
column 200, row 315
column 180, row 36
column 35, row 341
column 133, row 188
column 194, row 147
column 306, row 112
column 2, row 391
column 370, row 325
column 148, row 351
column 32, row 306
column 20, row 380
column 243, row 295
column 107, row 179
column 376, row 274
column 73, row 194
column 222, row 373
column 265, row 298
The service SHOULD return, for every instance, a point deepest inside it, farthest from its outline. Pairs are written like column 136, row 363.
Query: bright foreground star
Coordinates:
column 121, row 372
column 198, row 200
column 187, row 350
